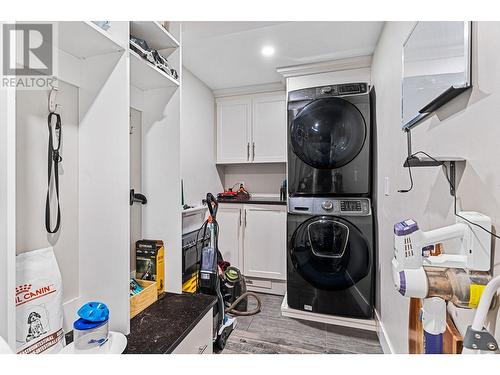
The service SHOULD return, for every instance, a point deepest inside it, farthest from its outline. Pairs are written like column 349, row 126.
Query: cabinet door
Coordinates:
column 229, row 219
column 199, row 340
column 233, row 130
column 264, row 241
column 269, row 128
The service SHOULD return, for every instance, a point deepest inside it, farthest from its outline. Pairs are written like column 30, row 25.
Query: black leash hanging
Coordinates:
column 54, row 158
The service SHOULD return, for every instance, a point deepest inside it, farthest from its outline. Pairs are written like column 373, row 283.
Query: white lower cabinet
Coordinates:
column 199, row 340
column 252, row 237
column 229, row 219
column 264, row 241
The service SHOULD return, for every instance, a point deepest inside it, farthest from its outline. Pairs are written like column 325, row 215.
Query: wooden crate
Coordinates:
column 144, row 299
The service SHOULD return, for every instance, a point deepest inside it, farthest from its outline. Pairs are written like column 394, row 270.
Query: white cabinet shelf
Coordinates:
column 155, row 35
column 145, row 76
column 85, row 39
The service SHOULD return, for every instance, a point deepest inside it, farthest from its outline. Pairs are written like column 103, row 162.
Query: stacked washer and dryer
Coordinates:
column 331, row 246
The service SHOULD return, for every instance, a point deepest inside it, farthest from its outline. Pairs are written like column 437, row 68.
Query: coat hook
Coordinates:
column 53, row 106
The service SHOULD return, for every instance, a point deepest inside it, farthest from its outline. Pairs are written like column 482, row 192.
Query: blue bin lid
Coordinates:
column 95, row 312
column 83, row 325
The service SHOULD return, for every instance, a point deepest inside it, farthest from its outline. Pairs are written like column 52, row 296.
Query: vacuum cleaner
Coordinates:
column 218, row 278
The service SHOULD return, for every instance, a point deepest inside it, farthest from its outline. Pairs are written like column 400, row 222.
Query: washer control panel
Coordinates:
column 330, row 206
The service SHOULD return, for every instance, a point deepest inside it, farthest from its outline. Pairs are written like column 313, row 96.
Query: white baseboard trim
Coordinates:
column 368, row 325
column 385, row 342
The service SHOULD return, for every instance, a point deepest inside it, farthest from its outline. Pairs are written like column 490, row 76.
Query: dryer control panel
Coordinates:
column 331, row 90
column 330, row 206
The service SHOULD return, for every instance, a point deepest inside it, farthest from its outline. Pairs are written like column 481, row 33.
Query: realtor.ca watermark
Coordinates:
column 29, row 57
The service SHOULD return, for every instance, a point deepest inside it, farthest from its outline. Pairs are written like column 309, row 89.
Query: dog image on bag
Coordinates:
column 35, row 326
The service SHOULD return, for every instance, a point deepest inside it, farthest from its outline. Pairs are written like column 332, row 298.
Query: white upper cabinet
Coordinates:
column 269, row 128
column 233, row 130
column 251, row 128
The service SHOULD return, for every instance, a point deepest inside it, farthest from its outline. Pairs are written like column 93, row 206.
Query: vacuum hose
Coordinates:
column 232, row 308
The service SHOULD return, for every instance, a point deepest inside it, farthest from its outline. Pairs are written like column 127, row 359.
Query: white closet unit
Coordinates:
column 251, row 129
column 7, row 212
column 96, row 72
column 157, row 96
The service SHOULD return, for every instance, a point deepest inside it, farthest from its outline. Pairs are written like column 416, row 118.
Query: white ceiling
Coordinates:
column 227, row 54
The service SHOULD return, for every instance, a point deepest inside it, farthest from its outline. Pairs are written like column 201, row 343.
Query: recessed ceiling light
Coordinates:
column 267, row 51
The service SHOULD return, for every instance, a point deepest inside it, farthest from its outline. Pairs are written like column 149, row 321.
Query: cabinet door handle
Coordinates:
column 240, row 220
column 202, row 349
column 248, row 151
column 245, row 218
column 253, row 150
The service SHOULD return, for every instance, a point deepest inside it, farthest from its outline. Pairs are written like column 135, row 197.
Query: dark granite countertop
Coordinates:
column 255, row 200
column 164, row 324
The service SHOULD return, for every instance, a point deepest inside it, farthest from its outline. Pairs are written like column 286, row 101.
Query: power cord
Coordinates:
column 451, row 186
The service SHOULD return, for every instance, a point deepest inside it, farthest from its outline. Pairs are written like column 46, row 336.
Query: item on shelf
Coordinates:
column 150, row 262
column 141, row 47
column 39, row 311
column 135, row 287
column 143, row 299
column 162, row 63
column 105, row 25
column 165, row 25
column 54, row 158
column 91, row 330
column 240, row 194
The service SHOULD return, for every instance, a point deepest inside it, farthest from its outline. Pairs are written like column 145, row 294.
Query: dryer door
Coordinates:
column 330, row 253
column 328, row 133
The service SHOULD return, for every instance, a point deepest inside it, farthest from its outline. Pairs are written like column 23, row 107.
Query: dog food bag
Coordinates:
column 39, row 315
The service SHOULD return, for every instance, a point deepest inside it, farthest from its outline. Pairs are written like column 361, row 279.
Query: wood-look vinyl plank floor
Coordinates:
column 271, row 333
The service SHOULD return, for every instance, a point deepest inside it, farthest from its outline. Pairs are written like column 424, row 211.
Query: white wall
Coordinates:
column 466, row 127
column 258, row 178
column 198, row 143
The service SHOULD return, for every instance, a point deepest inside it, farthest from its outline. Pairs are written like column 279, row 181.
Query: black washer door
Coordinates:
column 328, row 133
column 330, row 253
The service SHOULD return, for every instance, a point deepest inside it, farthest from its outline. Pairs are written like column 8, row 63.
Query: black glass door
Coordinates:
column 330, row 253
column 328, row 133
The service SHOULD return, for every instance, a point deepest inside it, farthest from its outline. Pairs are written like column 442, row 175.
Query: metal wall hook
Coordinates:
column 53, row 106
column 137, row 198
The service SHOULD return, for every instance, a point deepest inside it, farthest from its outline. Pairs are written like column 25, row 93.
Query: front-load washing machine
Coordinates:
column 330, row 256
column 329, row 140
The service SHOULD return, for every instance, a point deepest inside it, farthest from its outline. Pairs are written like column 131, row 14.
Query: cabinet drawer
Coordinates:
column 199, row 340
column 258, row 283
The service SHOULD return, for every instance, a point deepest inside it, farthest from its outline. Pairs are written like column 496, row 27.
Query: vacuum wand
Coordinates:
column 421, row 269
